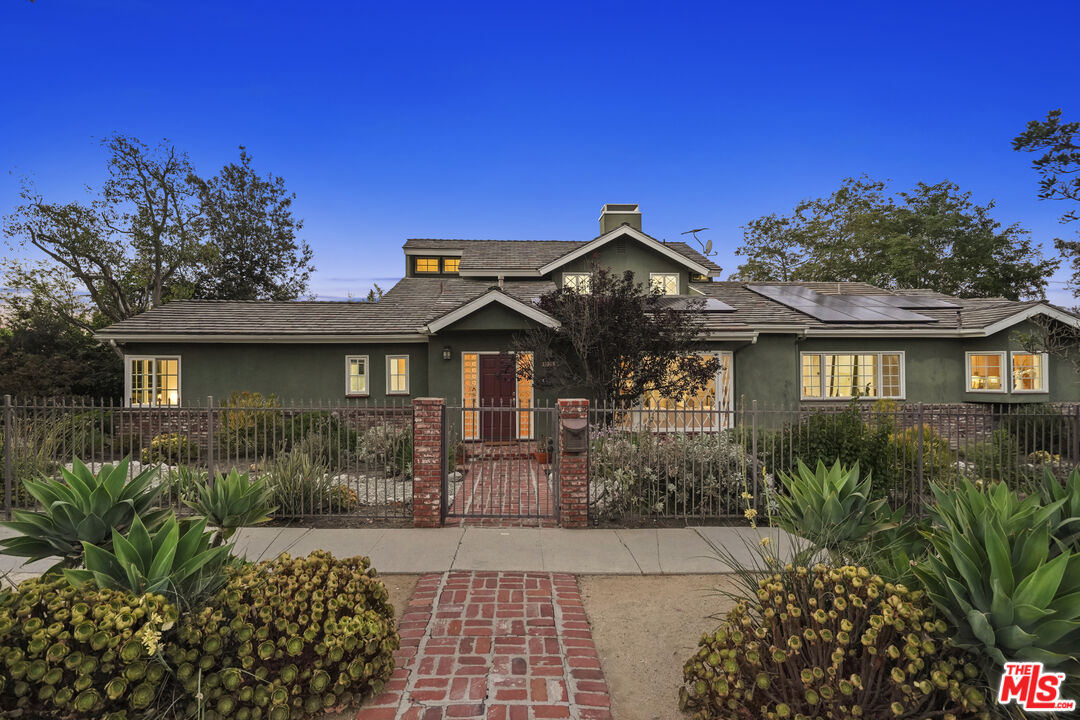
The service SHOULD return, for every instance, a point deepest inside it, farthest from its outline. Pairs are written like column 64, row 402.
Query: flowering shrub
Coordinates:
column 670, row 474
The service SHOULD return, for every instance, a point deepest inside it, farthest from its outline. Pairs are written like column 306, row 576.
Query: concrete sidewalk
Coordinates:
column 580, row 552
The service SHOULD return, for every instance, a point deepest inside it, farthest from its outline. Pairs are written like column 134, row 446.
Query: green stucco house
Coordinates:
column 440, row 330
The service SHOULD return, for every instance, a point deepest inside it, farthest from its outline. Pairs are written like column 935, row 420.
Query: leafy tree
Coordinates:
column 43, row 355
column 617, row 342
column 1059, row 175
column 125, row 248
column 251, row 251
column 932, row 237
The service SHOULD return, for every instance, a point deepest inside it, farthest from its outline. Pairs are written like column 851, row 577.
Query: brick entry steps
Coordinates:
column 497, row 646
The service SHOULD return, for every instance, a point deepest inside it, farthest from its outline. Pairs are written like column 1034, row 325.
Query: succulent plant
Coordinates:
column 170, row 448
column 233, row 501
column 1066, row 522
column 82, row 507
column 1009, row 588
column 830, row 643
column 175, row 560
column 81, row 652
column 287, row 638
column 830, row 507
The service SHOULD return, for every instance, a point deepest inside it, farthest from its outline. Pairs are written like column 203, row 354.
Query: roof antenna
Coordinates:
column 706, row 245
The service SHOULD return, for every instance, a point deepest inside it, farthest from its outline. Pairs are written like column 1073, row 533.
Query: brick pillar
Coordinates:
column 427, row 462
column 573, row 470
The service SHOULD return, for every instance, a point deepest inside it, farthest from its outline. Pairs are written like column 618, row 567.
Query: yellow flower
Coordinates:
column 750, row 513
column 150, row 636
column 765, row 541
column 746, row 495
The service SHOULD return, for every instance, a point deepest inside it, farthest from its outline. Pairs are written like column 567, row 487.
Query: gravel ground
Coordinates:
column 645, row 628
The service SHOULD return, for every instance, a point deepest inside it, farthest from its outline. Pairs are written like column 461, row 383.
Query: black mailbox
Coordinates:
column 575, row 435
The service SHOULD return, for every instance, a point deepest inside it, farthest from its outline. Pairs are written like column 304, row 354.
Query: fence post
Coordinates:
column 427, row 462
column 753, row 449
column 919, row 459
column 9, row 445
column 210, row 440
column 573, row 462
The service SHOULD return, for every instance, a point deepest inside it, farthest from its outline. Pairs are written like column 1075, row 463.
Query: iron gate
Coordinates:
column 500, row 462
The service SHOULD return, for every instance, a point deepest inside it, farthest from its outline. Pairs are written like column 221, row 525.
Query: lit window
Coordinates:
column 986, row 372
column 1028, row 372
column 427, row 264
column 397, row 375
column 664, row 283
column 707, row 410
column 356, row 375
column 578, row 282
column 451, row 265
column 845, row 375
column 153, row 381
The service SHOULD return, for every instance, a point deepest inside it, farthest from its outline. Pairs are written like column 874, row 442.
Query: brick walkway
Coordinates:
column 503, row 483
column 497, row 646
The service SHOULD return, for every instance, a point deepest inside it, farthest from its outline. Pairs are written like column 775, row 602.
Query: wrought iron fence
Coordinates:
column 674, row 463
column 337, row 461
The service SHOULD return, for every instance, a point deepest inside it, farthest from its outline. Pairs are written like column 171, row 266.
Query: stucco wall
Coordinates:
column 624, row 254
column 290, row 371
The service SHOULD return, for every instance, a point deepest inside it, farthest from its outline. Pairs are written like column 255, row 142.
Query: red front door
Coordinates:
column 497, row 385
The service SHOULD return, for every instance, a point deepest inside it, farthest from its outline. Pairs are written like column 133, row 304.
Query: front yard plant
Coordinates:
column 82, row 652
column 82, row 507
column 1008, row 587
column 288, row 638
column 160, row 619
column 634, row 471
column 830, row 643
column 233, row 501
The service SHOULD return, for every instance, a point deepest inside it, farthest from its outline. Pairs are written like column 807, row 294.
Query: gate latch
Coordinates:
column 575, row 435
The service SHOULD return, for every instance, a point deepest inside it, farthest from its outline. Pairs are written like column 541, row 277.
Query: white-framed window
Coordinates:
column 828, row 376
column 986, row 372
column 397, row 374
column 151, row 381
column 356, row 375
column 578, row 282
column 664, row 283
column 1029, row 372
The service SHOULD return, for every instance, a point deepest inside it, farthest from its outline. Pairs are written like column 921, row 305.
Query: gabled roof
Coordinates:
column 493, row 296
column 525, row 258
column 677, row 255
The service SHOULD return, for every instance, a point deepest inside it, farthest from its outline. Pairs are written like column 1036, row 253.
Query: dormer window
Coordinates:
column 578, row 282
column 664, row 283
column 451, row 265
column 427, row 264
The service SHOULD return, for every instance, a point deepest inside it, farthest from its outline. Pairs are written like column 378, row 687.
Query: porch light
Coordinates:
column 446, row 354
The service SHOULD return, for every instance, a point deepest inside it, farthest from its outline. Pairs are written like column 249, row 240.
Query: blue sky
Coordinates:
column 513, row 120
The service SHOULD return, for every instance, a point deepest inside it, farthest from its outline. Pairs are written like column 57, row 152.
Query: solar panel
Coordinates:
column 706, row 304
column 839, row 308
column 915, row 302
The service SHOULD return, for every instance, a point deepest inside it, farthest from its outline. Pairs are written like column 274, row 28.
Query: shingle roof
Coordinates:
column 413, row 302
column 519, row 255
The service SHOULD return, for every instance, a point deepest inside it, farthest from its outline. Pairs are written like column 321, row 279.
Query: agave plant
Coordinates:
column 830, row 507
column 1066, row 522
column 232, row 502
column 176, row 560
column 79, row 508
column 993, row 575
